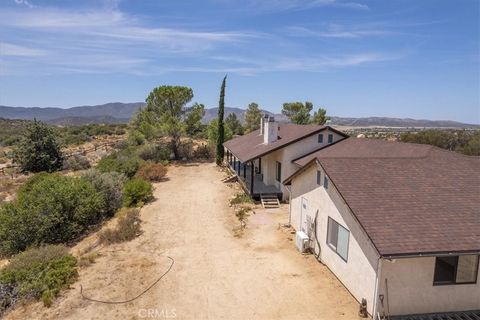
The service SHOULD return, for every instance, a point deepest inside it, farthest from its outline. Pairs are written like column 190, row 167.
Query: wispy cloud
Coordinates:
column 25, row 3
column 9, row 49
column 284, row 5
column 336, row 32
column 108, row 40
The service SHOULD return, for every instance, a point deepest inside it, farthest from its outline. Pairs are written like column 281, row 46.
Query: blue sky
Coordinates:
column 402, row 58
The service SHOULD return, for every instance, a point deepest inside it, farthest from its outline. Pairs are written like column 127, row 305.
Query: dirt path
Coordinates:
column 215, row 275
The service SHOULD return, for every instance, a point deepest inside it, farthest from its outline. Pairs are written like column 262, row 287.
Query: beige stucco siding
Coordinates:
column 411, row 289
column 358, row 273
column 410, row 280
column 289, row 153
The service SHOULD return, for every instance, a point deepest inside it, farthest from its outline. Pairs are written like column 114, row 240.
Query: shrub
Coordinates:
column 38, row 273
column 128, row 228
column 76, row 162
column 123, row 162
column 121, row 145
column 136, row 192
column 110, row 185
column 152, row 172
column 49, row 209
column 240, row 198
column 88, row 259
column 155, row 153
column 39, row 149
column 135, row 138
column 204, row 152
column 185, row 150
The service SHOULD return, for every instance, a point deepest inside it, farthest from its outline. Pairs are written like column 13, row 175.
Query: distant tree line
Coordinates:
column 462, row 141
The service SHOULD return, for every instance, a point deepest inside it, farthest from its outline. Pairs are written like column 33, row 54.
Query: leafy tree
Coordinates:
column 193, row 119
column 39, row 149
column 466, row 142
column 472, row 147
column 252, row 117
column 164, row 114
column 320, row 117
column 221, row 127
column 234, row 124
column 212, row 132
column 298, row 112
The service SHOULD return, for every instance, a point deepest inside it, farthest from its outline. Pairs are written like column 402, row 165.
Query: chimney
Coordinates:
column 271, row 131
column 263, row 120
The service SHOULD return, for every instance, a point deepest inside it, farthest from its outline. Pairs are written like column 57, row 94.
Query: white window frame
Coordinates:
column 330, row 224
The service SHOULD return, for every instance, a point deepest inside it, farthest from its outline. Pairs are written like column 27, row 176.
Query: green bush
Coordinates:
column 154, row 153
column 39, row 149
column 240, row 198
column 128, row 228
column 38, row 273
column 136, row 192
column 49, row 209
column 125, row 162
column 110, row 185
column 76, row 162
column 135, row 138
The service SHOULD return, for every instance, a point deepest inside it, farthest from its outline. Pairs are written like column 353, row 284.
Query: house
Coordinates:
column 397, row 223
column 262, row 159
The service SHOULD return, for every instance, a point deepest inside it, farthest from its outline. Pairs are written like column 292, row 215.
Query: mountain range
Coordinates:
column 117, row 112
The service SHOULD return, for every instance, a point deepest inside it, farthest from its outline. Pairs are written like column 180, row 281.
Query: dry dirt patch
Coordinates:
column 215, row 275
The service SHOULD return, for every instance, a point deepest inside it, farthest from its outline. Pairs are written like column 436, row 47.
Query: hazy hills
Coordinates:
column 118, row 112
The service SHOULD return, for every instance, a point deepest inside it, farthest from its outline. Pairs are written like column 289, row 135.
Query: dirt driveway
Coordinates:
column 215, row 275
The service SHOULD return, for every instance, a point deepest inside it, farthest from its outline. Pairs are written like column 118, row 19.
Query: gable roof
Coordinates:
column 251, row 146
column 409, row 198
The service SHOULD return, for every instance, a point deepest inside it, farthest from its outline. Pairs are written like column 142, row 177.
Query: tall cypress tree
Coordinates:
column 221, row 128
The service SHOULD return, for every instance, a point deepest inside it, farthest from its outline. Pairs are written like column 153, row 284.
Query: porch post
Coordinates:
column 260, row 165
column 244, row 171
column 235, row 164
column 252, row 174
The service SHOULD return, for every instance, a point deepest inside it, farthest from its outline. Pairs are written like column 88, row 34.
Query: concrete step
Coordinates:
column 269, row 201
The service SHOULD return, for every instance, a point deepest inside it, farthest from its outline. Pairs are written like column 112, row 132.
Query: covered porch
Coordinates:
column 250, row 176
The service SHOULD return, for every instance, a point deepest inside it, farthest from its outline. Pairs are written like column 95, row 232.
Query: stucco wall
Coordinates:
column 287, row 154
column 411, row 289
column 358, row 274
column 410, row 280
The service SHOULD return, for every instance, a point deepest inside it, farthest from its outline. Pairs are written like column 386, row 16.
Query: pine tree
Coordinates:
column 221, row 129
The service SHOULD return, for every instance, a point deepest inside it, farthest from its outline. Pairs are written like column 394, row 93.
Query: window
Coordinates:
column 320, row 138
column 325, row 182
column 278, row 171
column 337, row 238
column 330, row 138
column 456, row 270
column 319, row 178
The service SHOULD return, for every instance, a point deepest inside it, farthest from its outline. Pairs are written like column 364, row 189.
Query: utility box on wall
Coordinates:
column 301, row 240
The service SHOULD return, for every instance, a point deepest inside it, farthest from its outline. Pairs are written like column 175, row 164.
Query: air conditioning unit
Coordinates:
column 302, row 241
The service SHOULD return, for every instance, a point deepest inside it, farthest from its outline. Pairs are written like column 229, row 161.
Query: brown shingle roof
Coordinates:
column 251, row 146
column 409, row 198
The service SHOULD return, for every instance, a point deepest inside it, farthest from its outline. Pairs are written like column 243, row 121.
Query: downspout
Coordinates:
column 289, row 205
column 377, row 285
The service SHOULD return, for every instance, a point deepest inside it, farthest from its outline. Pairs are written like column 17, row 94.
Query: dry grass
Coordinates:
column 88, row 259
column 127, row 228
